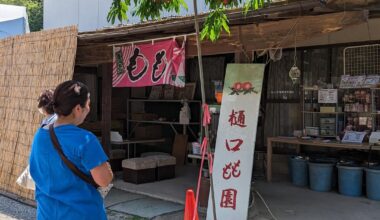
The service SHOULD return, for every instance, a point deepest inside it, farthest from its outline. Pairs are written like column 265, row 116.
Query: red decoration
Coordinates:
column 237, row 145
column 242, row 87
column 237, row 118
column 228, row 198
column 231, row 170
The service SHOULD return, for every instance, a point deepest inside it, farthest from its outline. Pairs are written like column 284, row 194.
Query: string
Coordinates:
column 203, row 149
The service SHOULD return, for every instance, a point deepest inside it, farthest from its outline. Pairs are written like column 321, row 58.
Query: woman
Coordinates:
column 45, row 106
column 60, row 194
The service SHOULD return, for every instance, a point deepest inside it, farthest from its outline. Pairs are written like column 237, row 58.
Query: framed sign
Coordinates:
column 156, row 92
column 327, row 96
column 353, row 137
column 187, row 92
column 168, row 92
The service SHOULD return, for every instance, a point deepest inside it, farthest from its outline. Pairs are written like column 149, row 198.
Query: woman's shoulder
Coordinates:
column 76, row 133
column 84, row 132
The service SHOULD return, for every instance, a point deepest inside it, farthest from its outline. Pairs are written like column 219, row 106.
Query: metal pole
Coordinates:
column 201, row 78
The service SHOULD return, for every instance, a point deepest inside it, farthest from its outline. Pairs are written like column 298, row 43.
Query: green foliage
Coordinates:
column 150, row 9
column 118, row 10
column 214, row 24
column 34, row 10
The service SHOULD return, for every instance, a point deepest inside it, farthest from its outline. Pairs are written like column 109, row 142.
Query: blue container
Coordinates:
column 299, row 172
column 373, row 183
column 350, row 180
column 321, row 176
column 290, row 166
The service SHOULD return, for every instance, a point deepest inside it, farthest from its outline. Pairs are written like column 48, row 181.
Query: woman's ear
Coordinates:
column 77, row 109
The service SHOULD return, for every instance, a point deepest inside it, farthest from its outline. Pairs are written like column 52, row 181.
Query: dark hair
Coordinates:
column 45, row 101
column 69, row 94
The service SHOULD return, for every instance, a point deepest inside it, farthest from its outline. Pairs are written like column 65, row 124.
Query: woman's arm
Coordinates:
column 102, row 174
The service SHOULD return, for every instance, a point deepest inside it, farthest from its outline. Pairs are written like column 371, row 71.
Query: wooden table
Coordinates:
column 299, row 142
column 137, row 141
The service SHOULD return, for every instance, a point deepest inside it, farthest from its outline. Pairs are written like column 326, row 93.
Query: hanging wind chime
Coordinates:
column 295, row 72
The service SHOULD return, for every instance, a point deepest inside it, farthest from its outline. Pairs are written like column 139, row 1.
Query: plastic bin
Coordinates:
column 321, row 176
column 373, row 183
column 299, row 171
column 350, row 180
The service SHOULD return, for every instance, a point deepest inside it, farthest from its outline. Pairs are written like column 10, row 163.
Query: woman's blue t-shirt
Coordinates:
column 60, row 194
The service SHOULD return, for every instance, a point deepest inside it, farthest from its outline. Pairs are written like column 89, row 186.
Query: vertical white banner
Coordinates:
column 235, row 143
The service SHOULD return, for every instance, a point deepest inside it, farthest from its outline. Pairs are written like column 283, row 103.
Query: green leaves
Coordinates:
column 215, row 22
column 145, row 9
column 254, row 4
column 119, row 9
column 152, row 9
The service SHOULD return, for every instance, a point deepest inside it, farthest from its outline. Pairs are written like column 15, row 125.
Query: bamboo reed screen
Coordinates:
column 28, row 64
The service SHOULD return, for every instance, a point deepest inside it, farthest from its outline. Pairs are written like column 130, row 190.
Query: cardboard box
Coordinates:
column 326, row 109
column 148, row 132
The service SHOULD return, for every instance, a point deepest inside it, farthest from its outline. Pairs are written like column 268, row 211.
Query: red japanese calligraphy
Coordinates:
column 228, row 199
column 237, row 145
column 231, row 170
column 237, row 118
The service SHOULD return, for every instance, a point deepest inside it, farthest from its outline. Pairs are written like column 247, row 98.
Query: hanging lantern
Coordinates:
column 295, row 74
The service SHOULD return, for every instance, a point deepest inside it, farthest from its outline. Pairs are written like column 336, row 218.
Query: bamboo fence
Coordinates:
column 28, row 64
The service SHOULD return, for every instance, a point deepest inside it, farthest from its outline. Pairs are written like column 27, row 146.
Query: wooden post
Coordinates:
column 106, row 71
column 242, row 55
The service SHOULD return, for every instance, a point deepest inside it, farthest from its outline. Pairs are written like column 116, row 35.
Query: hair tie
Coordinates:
column 77, row 89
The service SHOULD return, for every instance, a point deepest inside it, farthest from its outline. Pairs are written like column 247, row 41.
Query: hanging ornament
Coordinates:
column 295, row 72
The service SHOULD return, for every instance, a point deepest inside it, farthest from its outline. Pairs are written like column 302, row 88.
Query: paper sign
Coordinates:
column 327, row 96
column 353, row 137
column 235, row 143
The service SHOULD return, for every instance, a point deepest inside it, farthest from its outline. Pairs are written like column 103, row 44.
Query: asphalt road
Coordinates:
column 11, row 209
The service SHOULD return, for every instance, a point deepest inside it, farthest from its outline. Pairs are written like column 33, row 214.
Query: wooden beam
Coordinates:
column 82, row 69
column 248, row 37
column 242, row 56
column 95, row 54
column 276, row 33
column 106, row 71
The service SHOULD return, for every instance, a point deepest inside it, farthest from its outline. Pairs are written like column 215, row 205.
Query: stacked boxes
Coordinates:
column 139, row 170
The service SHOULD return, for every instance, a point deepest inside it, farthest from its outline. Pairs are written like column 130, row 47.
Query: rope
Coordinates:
column 266, row 205
column 203, row 149
column 206, row 115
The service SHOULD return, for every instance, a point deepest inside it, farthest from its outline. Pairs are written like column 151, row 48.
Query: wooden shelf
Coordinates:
column 327, row 113
column 164, row 122
column 163, row 100
column 371, row 88
column 196, row 156
column 369, row 113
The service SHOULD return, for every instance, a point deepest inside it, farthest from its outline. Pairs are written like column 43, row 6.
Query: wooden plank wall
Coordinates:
column 283, row 110
column 213, row 68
